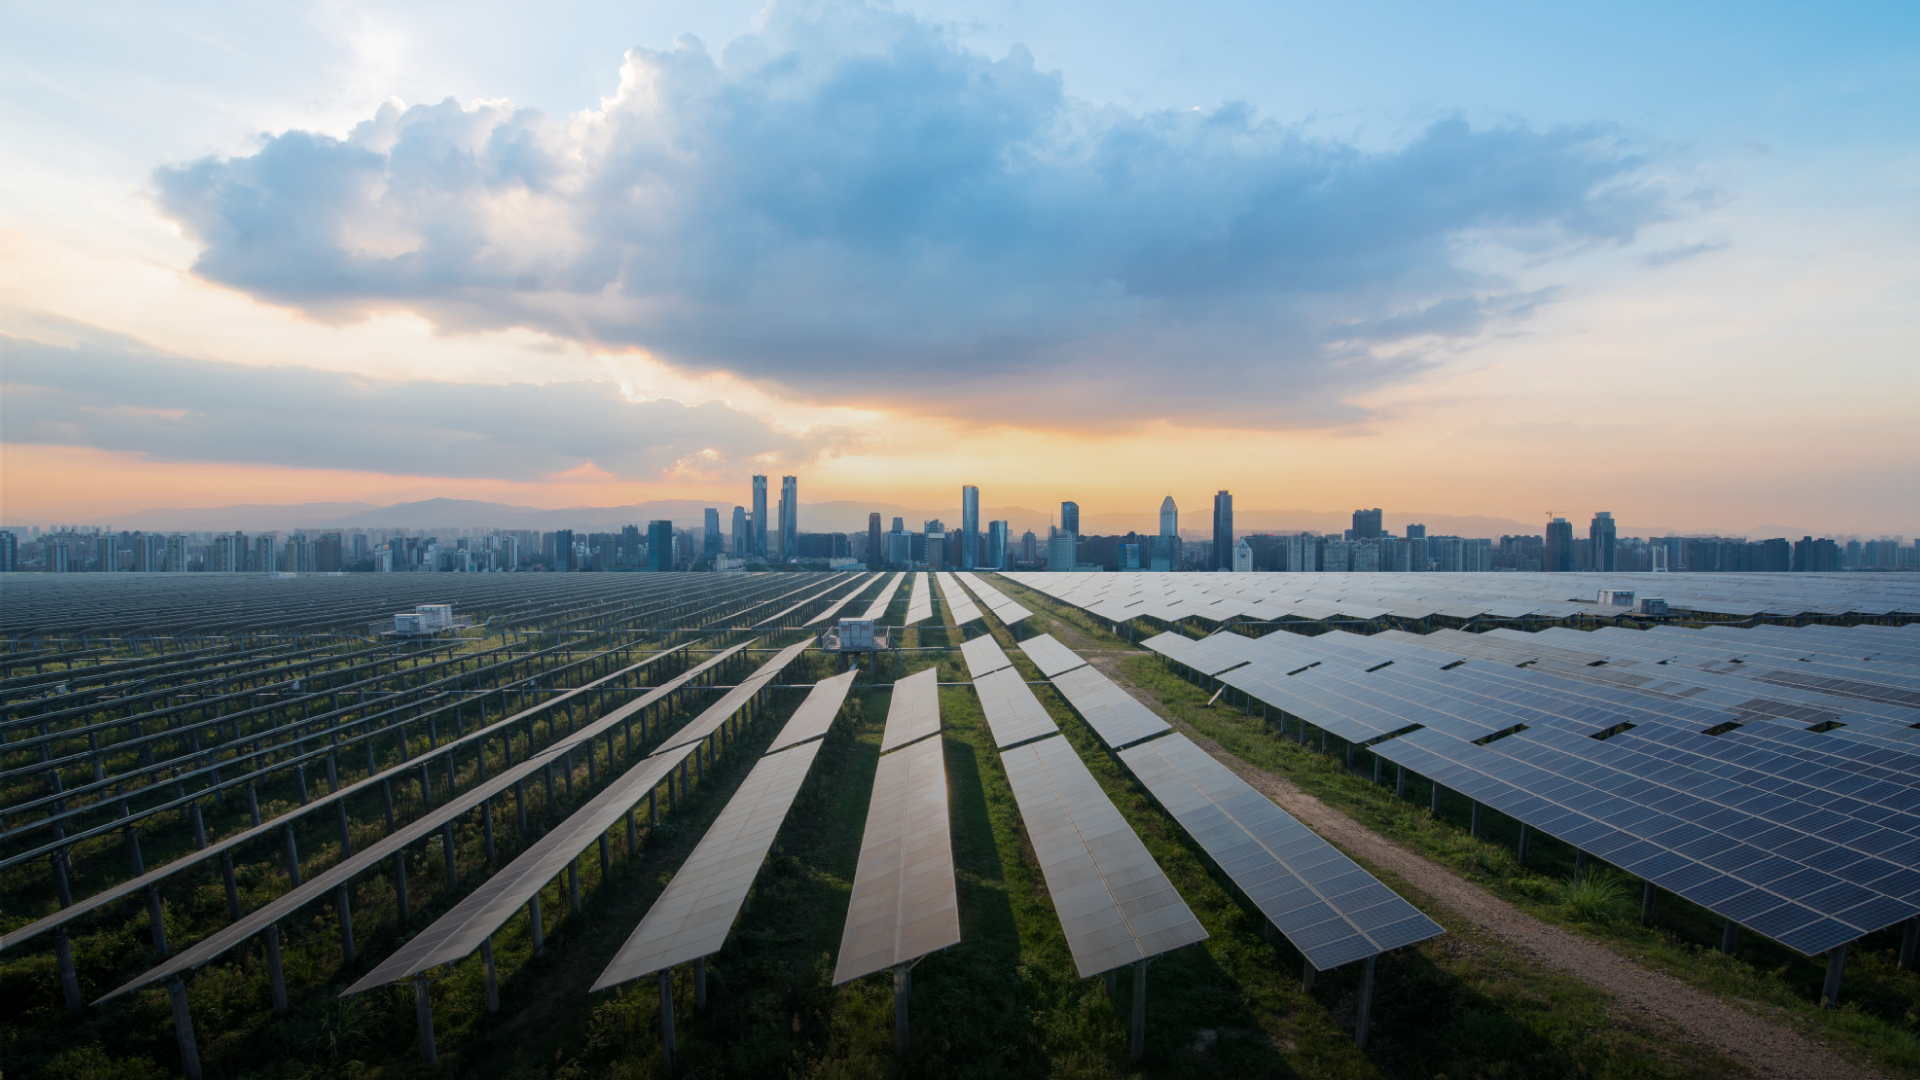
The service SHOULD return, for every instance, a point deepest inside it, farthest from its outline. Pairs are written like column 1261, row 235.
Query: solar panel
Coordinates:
column 920, row 603
column 720, row 711
column 880, row 603
column 914, row 712
column 984, row 656
column 692, row 917
column 1111, row 712
column 816, row 714
column 1014, row 715
column 1333, row 911
column 1004, row 607
column 833, row 609
column 903, row 905
column 1049, row 655
column 958, row 602
column 1114, row 904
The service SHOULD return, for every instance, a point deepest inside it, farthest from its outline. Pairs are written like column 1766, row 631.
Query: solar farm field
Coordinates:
column 647, row 825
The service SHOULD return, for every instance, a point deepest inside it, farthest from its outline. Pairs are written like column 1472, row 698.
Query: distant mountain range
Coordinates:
column 831, row 516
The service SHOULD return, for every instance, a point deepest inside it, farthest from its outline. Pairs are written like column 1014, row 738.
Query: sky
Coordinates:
column 1492, row 259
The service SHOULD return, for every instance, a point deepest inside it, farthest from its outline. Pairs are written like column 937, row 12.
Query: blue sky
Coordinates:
column 1472, row 244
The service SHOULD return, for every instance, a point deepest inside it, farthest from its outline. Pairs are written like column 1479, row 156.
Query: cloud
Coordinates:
column 850, row 205
column 1684, row 251
column 111, row 394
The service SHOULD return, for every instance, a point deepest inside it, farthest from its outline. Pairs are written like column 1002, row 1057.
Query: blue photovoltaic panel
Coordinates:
column 1333, row 911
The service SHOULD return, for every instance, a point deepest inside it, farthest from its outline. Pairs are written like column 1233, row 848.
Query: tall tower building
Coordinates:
column 710, row 540
column 1559, row 546
column 1601, row 537
column 875, row 553
column 969, row 526
column 759, row 517
column 1070, row 519
column 789, row 517
column 742, row 534
column 1169, row 517
column 1223, row 531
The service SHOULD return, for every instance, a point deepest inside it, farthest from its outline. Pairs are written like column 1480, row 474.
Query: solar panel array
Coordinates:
column 904, row 903
column 360, row 861
column 1771, row 775
column 1111, row 712
column 878, row 609
column 1014, row 715
column 833, row 610
column 1171, row 597
column 958, row 602
column 1003, row 606
column 920, row 603
column 1114, row 903
column 692, row 917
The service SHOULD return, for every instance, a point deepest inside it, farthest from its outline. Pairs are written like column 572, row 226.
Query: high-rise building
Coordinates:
column 1223, row 531
column 759, row 517
column 563, row 549
column 59, row 560
column 969, row 526
column 1601, row 538
column 710, row 538
column 1169, row 517
column 789, row 517
column 329, row 554
column 660, row 545
column 875, row 553
column 265, row 554
column 1243, row 558
column 742, row 533
column 1070, row 520
column 1367, row 524
column 106, row 553
column 1060, row 551
column 176, row 554
column 9, row 551
column 1559, row 546
column 997, row 541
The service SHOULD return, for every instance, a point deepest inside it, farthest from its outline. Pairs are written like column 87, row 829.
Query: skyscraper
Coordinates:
column 10, row 552
column 1223, row 531
column 1169, row 517
column 1366, row 524
column 875, row 553
column 1601, row 537
column 789, row 517
column 742, row 534
column 562, row 549
column 997, row 553
column 759, row 517
column 969, row 526
column 660, row 545
column 1070, row 519
column 1559, row 547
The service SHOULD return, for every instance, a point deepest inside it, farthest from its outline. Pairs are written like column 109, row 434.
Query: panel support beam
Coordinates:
column 1140, row 1008
column 183, row 1028
column 423, row 1018
column 276, row 972
column 666, row 1017
column 902, row 990
column 1908, row 943
column 1836, row 967
column 1364, row 1016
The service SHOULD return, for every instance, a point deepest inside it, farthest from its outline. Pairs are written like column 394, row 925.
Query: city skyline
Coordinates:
column 1691, row 252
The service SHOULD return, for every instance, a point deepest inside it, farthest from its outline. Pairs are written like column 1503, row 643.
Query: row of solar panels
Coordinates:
column 1811, row 837
column 1331, row 909
column 1261, row 597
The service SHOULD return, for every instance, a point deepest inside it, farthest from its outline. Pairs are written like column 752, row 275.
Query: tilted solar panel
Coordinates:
column 904, row 905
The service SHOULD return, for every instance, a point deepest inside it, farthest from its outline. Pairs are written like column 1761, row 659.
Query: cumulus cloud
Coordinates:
column 112, row 394
column 849, row 204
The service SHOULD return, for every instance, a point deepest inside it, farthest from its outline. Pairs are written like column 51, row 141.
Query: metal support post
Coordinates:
column 573, row 882
column 158, row 918
column 1908, row 942
column 1526, row 843
column 1646, row 904
column 1836, row 967
column 633, row 837
column 605, row 866
column 132, row 834
column 293, row 854
column 533, row 925
column 423, row 1016
column 1365, row 1013
column 699, row 982
column 233, row 886
column 1433, row 808
column 1139, row 1009
column 653, row 807
column 488, row 975
column 183, row 1029
column 666, row 1016
column 1377, row 765
column 902, row 991
column 253, row 804
column 1475, row 829
column 520, row 804
column 199, row 829
column 1307, row 973
column 57, row 862
column 1729, row 937
column 276, row 972
column 1579, row 865
column 343, row 900
column 69, row 979
column 446, row 845
column 386, row 793
column 486, row 817
column 400, row 882
column 346, row 837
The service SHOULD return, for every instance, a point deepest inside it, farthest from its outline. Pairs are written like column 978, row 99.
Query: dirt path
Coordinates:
column 1770, row 1049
